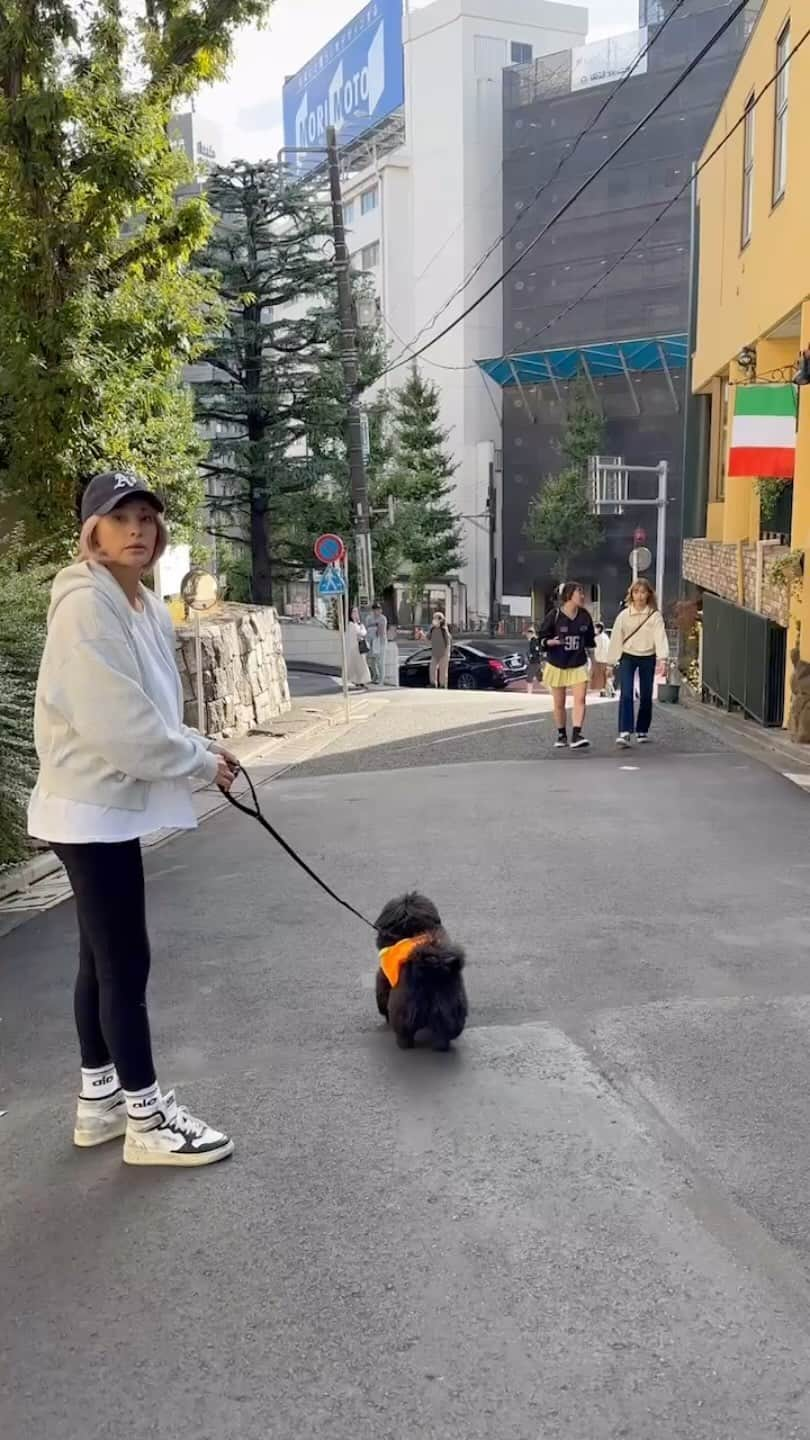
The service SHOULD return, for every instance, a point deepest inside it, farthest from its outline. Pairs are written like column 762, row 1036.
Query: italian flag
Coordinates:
column 763, row 432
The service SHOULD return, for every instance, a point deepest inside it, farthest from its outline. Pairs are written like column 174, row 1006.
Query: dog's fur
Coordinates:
column 430, row 994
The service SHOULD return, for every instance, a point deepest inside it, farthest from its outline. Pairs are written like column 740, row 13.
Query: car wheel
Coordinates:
column 466, row 681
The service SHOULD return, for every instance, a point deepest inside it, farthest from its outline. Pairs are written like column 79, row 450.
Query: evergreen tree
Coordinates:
column 561, row 519
column 269, row 254
column 330, row 500
column 98, row 308
column 421, row 482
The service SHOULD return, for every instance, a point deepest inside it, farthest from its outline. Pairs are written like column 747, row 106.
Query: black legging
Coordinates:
column 110, row 996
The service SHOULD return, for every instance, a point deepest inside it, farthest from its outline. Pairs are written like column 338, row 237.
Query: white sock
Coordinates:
column 99, row 1084
column 143, row 1103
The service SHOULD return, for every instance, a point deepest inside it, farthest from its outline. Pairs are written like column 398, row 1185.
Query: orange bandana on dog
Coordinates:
column 395, row 956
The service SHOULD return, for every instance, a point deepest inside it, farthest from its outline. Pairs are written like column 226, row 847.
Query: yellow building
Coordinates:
column 753, row 321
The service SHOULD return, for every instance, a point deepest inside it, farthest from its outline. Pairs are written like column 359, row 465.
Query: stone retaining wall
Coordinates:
column 713, row 564
column 244, row 671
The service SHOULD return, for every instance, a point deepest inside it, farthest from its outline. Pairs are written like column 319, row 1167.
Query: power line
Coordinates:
column 639, row 240
column 563, row 160
column 580, row 190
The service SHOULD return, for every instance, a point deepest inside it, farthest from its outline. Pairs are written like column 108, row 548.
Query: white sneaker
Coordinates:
column 642, row 739
column 173, row 1137
column 100, row 1120
column 623, row 741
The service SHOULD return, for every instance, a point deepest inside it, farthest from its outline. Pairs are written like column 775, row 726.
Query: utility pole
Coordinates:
column 492, row 508
column 348, row 343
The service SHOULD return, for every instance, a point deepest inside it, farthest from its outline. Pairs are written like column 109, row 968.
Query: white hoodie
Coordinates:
column 108, row 729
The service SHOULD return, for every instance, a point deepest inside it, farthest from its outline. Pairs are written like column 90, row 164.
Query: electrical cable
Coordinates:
column 563, row 160
column 639, row 240
column 580, row 190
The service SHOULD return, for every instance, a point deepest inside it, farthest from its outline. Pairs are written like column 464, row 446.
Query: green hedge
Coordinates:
column 24, row 590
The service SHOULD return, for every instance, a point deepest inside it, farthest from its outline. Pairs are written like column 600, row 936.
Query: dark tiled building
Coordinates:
column 640, row 390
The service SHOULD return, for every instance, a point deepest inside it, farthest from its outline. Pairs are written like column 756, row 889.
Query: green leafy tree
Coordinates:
column 23, row 608
column 584, row 431
column 98, row 307
column 421, row 481
column 560, row 518
column 562, row 522
column 267, row 405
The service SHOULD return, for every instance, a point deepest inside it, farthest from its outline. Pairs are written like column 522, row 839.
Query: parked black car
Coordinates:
column 479, row 666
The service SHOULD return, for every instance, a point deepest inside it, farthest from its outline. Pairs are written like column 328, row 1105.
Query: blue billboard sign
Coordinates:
column 356, row 80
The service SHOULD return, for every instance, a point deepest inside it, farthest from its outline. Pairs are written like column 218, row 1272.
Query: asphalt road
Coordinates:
column 589, row 1222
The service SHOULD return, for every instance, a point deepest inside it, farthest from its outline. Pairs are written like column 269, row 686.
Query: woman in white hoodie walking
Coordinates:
column 638, row 642
column 116, row 762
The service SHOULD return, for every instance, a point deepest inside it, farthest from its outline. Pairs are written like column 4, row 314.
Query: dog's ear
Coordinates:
column 422, row 912
column 406, row 916
column 393, row 917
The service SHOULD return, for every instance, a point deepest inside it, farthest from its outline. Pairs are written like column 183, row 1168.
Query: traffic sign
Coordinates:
column 640, row 559
column 330, row 549
column 332, row 583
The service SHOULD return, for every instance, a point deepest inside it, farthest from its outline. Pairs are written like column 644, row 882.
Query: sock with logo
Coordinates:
column 99, row 1084
column 143, row 1103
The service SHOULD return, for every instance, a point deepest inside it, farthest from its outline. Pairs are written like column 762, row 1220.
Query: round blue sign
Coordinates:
column 329, row 549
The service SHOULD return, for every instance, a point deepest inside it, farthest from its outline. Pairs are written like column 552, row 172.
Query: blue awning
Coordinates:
column 620, row 357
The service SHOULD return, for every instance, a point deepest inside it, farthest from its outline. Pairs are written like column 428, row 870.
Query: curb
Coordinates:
column 25, row 876
column 768, row 745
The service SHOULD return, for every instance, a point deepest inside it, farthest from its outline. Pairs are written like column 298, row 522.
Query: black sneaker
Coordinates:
column 561, row 743
column 642, row 739
column 580, row 743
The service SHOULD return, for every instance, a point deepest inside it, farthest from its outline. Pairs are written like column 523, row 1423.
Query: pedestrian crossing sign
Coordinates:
column 332, row 583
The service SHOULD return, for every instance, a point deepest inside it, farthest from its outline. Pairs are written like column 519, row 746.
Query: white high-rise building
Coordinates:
column 420, row 132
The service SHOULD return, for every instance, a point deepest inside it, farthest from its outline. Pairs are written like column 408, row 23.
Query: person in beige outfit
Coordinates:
column 638, row 642
column 440, row 646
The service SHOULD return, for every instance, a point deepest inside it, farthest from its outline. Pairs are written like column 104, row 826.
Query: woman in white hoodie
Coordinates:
column 638, row 642
column 116, row 762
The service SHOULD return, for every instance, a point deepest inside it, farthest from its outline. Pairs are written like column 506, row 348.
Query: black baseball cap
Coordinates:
column 111, row 488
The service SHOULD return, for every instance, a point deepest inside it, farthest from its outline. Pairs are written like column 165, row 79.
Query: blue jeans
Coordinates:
column 628, row 666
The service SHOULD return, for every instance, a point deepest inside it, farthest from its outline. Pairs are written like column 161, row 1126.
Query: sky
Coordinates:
column 247, row 107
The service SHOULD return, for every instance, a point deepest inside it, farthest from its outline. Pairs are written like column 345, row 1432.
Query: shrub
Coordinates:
column 23, row 608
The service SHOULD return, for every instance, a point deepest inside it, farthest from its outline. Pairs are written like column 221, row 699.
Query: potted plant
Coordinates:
column 669, row 689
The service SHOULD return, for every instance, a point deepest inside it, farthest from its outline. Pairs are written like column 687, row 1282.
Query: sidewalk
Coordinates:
column 39, row 883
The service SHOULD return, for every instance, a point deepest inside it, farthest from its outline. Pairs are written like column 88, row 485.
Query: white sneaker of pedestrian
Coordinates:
column 623, row 740
column 100, row 1120
column 174, row 1137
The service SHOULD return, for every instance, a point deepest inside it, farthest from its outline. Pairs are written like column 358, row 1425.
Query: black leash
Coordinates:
column 255, row 813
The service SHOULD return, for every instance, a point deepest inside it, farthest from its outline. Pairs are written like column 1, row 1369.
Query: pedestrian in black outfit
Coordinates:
column 535, row 660
column 567, row 638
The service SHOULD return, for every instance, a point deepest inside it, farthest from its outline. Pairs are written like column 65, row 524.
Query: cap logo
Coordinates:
column 124, row 482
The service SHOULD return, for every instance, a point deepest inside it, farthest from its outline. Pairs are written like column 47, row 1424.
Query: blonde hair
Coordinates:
column 89, row 550
column 652, row 598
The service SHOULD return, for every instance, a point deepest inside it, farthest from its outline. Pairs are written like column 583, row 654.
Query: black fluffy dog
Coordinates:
column 419, row 983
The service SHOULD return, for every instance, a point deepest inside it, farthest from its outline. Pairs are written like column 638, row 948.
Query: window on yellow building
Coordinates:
column 748, row 172
column 780, row 135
